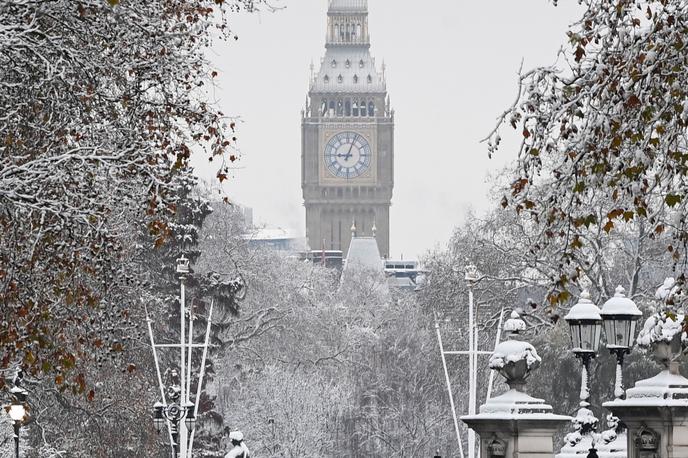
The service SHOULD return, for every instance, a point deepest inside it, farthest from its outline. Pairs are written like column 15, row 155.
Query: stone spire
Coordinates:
column 347, row 23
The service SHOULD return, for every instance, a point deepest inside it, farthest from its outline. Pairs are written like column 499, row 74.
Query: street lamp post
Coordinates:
column 585, row 323
column 273, row 448
column 620, row 316
column 181, row 406
column 18, row 410
column 471, row 276
column 175, row 413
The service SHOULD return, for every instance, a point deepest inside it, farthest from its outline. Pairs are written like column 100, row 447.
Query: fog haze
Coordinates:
column 451, row 68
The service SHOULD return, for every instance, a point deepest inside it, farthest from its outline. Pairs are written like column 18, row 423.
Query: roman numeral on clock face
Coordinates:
column 347, row 155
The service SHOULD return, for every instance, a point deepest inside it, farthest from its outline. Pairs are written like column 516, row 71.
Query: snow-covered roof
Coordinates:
column 348, row 5
column 265, row 233
column 620, row 305
column 401, row 282
column 364, row 257
column 584, row 309
column 364, row 252
column 348, row 69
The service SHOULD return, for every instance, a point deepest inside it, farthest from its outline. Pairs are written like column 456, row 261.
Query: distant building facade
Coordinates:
column 327, row 258
column 273, row 238
column 347, row 158
column 403, row 274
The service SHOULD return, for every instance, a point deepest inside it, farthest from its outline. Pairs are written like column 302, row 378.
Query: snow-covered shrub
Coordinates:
column 662, row 327
column 513, row 351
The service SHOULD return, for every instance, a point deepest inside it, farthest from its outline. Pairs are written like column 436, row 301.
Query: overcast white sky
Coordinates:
column 451, row 68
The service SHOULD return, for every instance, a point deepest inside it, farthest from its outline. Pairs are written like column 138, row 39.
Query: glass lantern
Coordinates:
column 17, row 412
column 158, row 417
column 585, row 323
column 620, row 315
column 190, row 417
column 183, row 265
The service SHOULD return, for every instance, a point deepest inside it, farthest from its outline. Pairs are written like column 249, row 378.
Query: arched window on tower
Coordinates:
column 340, row 108
column 341, row 33
column 336, row 31
column 358, row 32
column 347, row 64
column 370, row 79
column 354, row 111
column 348, row 33
column 353, row 32
column 340, row 78
column 363, row 109
column 361, row 64
column 371, row 108
column 333, row 63
column 331, row 109
column 355, row 79
column 323, row 107
column 347, row 107
column 326, row 79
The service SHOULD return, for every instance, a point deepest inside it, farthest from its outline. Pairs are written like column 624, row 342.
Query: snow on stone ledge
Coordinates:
column 661, row 327
column 512, row 351
column 664, row 389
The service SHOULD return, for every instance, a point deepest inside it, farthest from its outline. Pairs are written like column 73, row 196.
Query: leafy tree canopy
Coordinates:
column 604, row 132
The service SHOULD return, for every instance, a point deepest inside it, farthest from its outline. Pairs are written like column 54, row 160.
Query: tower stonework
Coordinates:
column 347, row 151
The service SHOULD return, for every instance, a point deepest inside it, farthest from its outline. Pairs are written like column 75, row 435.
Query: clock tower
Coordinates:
column 347, row 132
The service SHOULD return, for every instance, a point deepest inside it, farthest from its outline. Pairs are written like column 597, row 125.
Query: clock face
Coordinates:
column 347, row 155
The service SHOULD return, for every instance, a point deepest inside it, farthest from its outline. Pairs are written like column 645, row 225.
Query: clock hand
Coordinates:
column 348, row 154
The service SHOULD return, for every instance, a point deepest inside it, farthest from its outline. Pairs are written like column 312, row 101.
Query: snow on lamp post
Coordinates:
column 585, row 323
column 620, row 316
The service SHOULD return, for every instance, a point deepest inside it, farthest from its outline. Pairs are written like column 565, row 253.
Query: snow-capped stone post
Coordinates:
column 585, row 324
column 514, row 424
column 655, row 411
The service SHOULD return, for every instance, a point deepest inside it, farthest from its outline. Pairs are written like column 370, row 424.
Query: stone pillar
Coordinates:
column 524, row 436
column 514, row 424
column 655, row 411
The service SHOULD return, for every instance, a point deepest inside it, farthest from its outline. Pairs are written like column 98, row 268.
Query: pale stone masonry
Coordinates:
column 347, row 151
